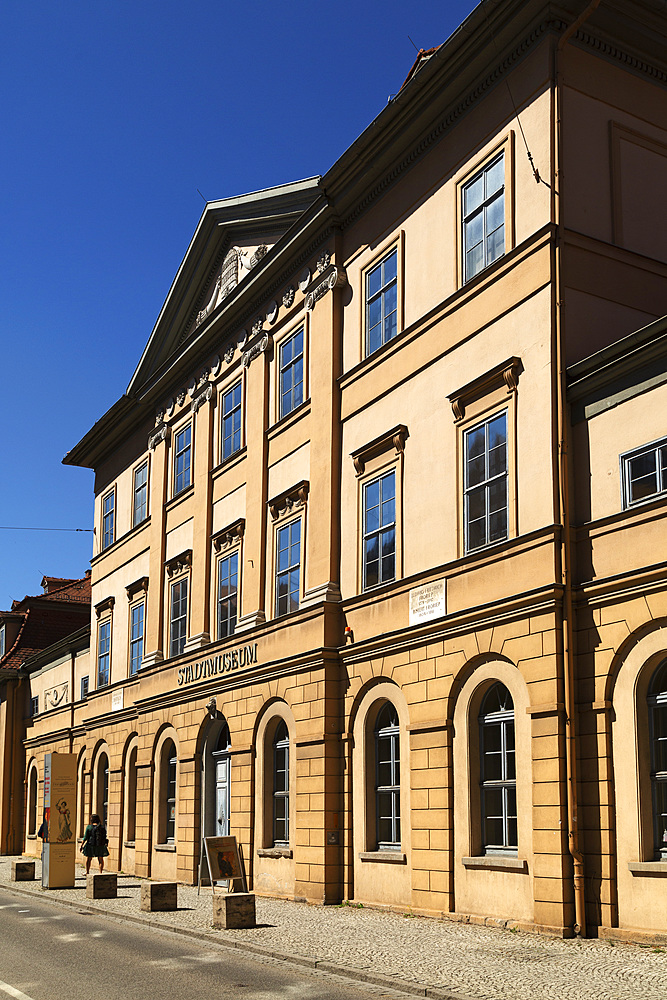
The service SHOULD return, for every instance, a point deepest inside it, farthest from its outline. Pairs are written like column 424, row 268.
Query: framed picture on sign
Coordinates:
column 224, row 860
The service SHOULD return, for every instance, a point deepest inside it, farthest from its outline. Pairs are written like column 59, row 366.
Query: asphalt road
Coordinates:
column 49, row 952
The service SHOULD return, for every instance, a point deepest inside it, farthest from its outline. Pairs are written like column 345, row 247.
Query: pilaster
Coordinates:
column 203, row 410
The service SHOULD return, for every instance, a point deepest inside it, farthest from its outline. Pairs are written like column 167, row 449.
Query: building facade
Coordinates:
column 379, row 583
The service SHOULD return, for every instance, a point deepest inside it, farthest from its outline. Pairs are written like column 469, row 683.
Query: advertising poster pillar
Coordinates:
column 59, row 846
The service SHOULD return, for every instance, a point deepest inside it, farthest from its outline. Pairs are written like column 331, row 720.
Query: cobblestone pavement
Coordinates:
column 418, row 955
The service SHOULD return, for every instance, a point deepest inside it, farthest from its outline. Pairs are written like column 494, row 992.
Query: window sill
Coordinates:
column 128, row 843
column 391, row 857
column 32, row 836
column 227, row 463
column 180, row 497
column 650, row 869
column 302, row 410
column 167, row 848
column 274, row 852
column 496, row 862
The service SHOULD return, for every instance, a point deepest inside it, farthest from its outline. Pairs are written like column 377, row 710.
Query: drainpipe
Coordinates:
column 565, row 504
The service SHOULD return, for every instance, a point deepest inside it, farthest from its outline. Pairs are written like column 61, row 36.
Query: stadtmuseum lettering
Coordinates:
column 234, row 659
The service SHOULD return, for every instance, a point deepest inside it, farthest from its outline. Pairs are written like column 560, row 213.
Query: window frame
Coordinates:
column 170, row 783
column 301, row 328
column 287, row 525
column 84, row 686
column 34, row 706
column 3, row 639
column 232, row 554
column 134, row 662
column 486, row 483
column 627, row 457
column 103, row 655
column 392, row 734
column 136, row 521
column 240, row 408
column 469, row 173
column 381, row 295
column 657, row 702
column 279, row 744
column 108, row 519
column 382, row 529
column 186, row 428
column 502, row 718
column 182, row 638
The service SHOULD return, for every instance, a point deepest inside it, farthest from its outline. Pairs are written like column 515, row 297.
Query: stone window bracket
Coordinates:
column 395, row 438
column 179, row 563
column 289, row 500
column 138, row 587
column 105, row 605
column 229, row 535
column 506, row 374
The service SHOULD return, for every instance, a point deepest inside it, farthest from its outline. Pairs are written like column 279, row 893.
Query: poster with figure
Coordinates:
column 59, row 847
column 224, row 860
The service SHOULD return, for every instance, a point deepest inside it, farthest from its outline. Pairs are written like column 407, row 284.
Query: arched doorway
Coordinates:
column 216, row 780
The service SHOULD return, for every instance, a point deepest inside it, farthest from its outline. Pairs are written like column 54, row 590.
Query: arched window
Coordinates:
column 169, row 791
column 657, row 706
column 102, row 796
column 498, row 772
column 32, row 802
column 281, row 786
column 387, row 779
column 131, row 786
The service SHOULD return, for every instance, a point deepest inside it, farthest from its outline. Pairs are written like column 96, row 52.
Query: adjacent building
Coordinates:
column 379, row 583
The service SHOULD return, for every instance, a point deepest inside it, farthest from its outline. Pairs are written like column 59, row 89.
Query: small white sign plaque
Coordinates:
column 427, row 602
column 117, row 700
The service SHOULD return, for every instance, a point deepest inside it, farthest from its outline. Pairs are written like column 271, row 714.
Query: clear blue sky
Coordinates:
column 112, row 115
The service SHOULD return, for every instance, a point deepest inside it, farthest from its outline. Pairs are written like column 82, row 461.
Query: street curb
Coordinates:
column 346, row 971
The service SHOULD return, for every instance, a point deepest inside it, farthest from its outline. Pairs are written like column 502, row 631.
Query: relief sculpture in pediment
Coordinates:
column 230, row 276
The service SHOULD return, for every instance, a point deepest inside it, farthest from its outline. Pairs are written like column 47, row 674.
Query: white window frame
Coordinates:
column 136, row 491
column 3, row 639
column 281, row 795
column 293, row 603
column 486, row 483
column 108, row 519
column 657, row 706
column 231, row 596
column 654, row 448
column 85, row 686
column 488, row 199
column 382, row 295
column 505, row 784
column 388, row 735
column 380, row 531
column 224, row 414
column 182, row 638
column 284, row 367
column 137, row 641
column 104, row 654
column 180, row 450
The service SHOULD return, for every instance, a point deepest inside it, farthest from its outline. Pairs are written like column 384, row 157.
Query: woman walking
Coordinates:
column 94, row 844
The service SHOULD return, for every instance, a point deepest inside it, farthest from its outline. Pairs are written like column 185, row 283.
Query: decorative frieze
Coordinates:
column 323, row 262
column 291, row 499
column 288, row 296
column 179, row 563
column 259, row 348
column 202, row 397
column 395, row 438
column 335, row 279
column 55, row 696
column 229, row 353
column 230, row 535
column 161, row 434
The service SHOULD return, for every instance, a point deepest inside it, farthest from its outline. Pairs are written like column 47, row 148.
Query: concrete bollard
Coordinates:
column 23, row 871
column 101, row 886
column 233, row 910
column 158, row 896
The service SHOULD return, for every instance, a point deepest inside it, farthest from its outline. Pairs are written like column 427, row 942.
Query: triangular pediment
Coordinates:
column 232, row 239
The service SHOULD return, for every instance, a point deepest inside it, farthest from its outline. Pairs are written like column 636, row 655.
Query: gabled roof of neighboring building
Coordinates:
column 43, row 619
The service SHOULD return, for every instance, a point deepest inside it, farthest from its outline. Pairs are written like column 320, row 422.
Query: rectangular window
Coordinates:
column 228, row 585
column 2, row 640
column 231, row 421
column 288, row 568
column 379, row 531
column 140, row 506
column 182, row 459
column 136, row 637
column 34, row 706
column 103, row 653
column 179, row 617
column 84, row 687
column 486, row 510
column 381, row 303
column 483, row 213
column 108, row 519
column 291, row 373
column 645, row 474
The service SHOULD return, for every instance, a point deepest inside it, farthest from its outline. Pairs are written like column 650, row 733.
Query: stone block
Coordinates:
column 23, row 871
column 233, row 910
column 158, row 896
column 101, row 886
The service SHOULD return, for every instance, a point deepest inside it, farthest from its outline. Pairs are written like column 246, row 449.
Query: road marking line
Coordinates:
column 13, row 992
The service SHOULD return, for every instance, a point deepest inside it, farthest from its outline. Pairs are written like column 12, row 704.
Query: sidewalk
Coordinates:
column 433, row 958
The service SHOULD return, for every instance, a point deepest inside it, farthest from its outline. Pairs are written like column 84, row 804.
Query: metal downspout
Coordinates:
column 565, row 516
